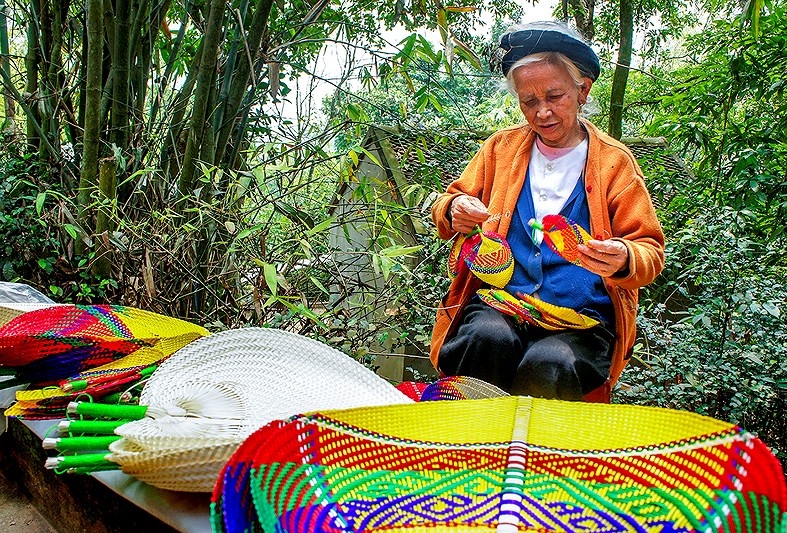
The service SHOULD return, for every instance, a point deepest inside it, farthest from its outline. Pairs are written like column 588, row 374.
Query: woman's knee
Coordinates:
column 548, row 372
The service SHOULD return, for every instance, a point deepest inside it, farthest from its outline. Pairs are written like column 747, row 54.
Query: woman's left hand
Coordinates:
column 605, row 258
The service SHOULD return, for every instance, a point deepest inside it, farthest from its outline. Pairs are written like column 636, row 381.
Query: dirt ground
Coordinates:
column 17, row 515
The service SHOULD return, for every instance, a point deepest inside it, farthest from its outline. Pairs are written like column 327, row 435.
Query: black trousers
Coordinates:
column 524, row 359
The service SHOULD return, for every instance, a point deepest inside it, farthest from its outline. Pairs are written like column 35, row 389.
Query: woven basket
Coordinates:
column 504, row 464
column 211, row 395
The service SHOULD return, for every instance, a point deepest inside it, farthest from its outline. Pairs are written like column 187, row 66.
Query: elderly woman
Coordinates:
column 556, row 163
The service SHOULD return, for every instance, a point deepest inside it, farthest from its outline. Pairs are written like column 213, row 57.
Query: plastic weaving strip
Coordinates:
column 523, row 465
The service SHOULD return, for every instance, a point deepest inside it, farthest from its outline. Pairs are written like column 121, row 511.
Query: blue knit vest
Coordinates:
column 538, row 268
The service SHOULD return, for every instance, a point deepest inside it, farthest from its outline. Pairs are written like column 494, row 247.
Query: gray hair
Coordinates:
column 549, row 58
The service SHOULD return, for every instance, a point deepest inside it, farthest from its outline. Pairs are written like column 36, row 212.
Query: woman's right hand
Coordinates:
column 466, row 213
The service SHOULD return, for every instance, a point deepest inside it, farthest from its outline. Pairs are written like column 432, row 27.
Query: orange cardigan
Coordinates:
column 620, row 208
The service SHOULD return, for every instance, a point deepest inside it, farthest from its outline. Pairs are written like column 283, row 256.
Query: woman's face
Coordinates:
column 550, row 100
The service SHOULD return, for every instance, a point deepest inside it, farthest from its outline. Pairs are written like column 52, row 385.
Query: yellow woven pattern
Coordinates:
column 552, row 424
column 493, row 256
column 575, row 425
column 432, row 425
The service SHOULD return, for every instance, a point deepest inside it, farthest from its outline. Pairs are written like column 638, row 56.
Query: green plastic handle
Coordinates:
column 102, row 410
column 95, row 427
column 89, row 469
column 86, row 460
column 68, row 444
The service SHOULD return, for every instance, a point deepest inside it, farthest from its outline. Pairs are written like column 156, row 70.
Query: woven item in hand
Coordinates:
column 486, row 254
column 531, row 310
column 206, row 399
column 563, row 236
column 84, row 342
column 503, row 464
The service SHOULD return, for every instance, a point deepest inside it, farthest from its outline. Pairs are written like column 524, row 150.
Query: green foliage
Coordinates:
column 38, row 228
column 714, row 323
column 718, row 346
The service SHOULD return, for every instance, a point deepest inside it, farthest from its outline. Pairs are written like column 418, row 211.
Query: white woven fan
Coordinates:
column 209, row 396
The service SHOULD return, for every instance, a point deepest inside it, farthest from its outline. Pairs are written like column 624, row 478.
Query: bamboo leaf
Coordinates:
column 406, row 52
column 248, row 231
column 319, row 285
column 466, row 53
column 321, row 226
column 399, row 250
column 271, row 279
column 371, row 156
column 442, row 24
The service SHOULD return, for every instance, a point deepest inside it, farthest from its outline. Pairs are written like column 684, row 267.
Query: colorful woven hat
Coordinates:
column 486, row 254
column 206, row 399
column 66, row 350
column 503, row 464
column 531, row 310
column 562, row 235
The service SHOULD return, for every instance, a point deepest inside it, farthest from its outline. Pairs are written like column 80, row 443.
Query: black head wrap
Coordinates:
column 521, row 43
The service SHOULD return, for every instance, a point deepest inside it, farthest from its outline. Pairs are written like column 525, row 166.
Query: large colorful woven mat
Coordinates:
column 68, row 350
column 502, row 464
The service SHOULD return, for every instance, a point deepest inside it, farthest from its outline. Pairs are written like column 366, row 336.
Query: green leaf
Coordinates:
column 772, row 309
column 467, row 54
column 399, row 250
column 248, row 231
column 319, row 285
column 8, row 271
column 406, row 54
column 321, row 226
column 442, row 24
column 371, row 156
column 40, row 199
column 303, row 311
column 353, row 155
column 271, row 279
column 753, row 358
column 71, row 230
